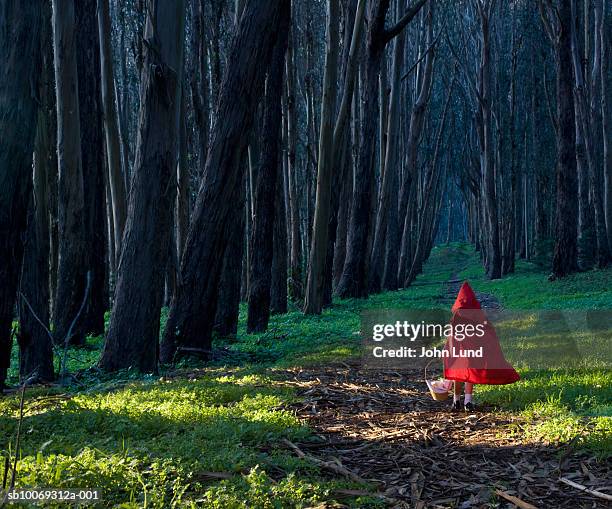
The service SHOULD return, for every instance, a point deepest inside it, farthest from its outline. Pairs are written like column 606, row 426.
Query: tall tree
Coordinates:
column 313, row 302
column 606, row 122
column 111, row 128
column 262, row 234
column 193, row 308
column 133, row 333
column 71, row 271
column 35, row 343
column 557, row 22
column 19, row 54
column 92, row 144
column 278, row 291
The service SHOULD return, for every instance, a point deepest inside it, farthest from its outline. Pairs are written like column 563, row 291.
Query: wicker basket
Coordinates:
column 437, row 393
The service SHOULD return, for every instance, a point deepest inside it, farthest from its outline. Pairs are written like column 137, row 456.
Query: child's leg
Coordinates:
column 469, row 389
column 457, row 391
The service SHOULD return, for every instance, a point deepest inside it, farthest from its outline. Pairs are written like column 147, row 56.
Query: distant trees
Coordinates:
column 354, row 280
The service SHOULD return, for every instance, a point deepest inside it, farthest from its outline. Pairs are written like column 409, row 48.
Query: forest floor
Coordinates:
column 290, row 418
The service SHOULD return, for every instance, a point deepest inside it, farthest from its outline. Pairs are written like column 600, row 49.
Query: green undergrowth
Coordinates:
column 213, row 436
column 560, row 404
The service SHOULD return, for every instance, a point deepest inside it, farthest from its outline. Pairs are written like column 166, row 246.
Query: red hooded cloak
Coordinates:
column 492, row 368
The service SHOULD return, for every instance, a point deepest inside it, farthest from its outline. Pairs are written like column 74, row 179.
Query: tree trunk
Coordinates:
column 262, row 235
column 313, row 303
column 585, row 124
column 111, row 127
column 71, row 272
column 566, row 225
column 278, row 292
column 606, row 125
column 92, row 143
column 35, row 344
column 228, row 306
column 133, row 333
column 415, row 132
column 193, row 310
column 296, row 287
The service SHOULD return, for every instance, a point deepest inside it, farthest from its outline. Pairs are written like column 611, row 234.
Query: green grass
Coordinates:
column 149, row 441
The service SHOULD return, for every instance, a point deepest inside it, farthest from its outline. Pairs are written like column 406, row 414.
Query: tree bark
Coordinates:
column 278, row 292
column 133, row 333
column 193, row 309
column 92, row 143
column 262, row 235
column 35, row 344
column 111, row 127
column 227, row 309
column 565, row 254
column 296, row 286
column 606, row 124
column 313, row 303
column 71, row 272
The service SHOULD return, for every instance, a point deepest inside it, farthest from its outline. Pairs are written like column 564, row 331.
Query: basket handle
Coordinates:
column 426, row 366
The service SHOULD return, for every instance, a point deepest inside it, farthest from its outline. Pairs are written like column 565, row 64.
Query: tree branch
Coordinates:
column 405, row 19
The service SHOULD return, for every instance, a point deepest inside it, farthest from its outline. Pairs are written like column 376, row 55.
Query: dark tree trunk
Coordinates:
column 35, row 344
column 71, row 271
column 262, row 234
column 278, row 292
column 92, row 156
column 226, row 316
column 19, row 54
column 296, row 286
column 193, row 310
column 565, row 258
column 317, row 263
column 133, row 333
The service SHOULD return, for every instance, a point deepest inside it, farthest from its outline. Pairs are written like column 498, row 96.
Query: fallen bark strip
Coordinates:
column 515, row 500
column 580, row 487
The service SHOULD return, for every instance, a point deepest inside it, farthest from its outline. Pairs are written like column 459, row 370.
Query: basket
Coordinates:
column 437, row 391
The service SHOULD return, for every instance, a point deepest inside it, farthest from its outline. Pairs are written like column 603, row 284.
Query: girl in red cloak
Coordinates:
column 460, row 365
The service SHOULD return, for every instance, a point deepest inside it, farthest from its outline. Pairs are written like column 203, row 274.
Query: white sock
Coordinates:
column 468, row 398
column 456, row 398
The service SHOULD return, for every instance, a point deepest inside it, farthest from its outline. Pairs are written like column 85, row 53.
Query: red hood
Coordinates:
column 466, row 299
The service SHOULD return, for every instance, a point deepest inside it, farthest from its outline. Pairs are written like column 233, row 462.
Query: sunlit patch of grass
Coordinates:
column 153, row 441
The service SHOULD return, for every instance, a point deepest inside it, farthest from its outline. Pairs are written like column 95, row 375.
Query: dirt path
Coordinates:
column 383, row 427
